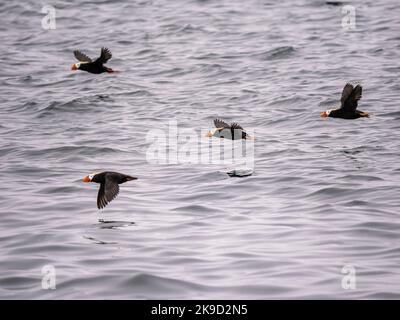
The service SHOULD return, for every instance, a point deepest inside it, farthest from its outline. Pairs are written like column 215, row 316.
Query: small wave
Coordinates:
column 138, row 93
column 71, row 150
column 214, row 69
column 97, row 241
column 195, row 208
column 75, row 105
column 355, row 203
column 333, row 192
column 188, row 28
column 395, row 115
column 146, row 284
column 277, row 53
column 144, row 52
column 111, row 224
column 360, row 177
column 207, row 56
column 360, row 149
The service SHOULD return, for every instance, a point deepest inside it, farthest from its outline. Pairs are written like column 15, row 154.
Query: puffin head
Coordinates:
column 213, row 132
column 89, row 177
column 325, row 114
column 209, row 134
column 76, row 66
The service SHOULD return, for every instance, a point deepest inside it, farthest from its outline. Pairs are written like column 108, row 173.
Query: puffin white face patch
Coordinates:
column 214, row 131
column 211, row 132
column 78, row 64
column 92, row 175
column 328, row 112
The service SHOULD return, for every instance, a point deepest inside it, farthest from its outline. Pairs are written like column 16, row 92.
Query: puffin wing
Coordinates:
column 350, row 97
column 236, row 126
column 221, row 124
column 352, row 102
column 81, row 56
column 347, row 90
column 104, row 56
column 107, row 192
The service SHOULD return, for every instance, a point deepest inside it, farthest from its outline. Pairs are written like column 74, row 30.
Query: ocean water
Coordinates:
column 321, row 209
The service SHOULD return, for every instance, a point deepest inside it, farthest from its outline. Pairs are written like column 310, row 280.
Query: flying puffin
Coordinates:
column 109, row 188
column 349, row 103
column 96, row 66
column 224, row 130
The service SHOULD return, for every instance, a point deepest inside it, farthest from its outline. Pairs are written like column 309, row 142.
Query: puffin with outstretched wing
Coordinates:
column 233, row 131
column 349, row 103
column 109, row 185
column 87, row 64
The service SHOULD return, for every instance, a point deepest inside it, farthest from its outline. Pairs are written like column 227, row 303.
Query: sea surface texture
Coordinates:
column 316, row 217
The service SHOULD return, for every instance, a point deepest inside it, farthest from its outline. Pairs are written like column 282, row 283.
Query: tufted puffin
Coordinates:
column 86, row 64
column 109, row 188
column 349, row 103
column 224, row 130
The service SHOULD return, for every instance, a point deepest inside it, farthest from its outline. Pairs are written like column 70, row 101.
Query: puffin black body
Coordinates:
column 349, row 104
column 96, row 66
column 224, row 130
column 109, row 185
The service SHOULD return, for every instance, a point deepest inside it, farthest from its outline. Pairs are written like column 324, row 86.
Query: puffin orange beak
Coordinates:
column 323, row 114
column 86, row 179
column 74, row 67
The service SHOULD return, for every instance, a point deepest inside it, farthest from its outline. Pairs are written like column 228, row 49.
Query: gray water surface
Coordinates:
column 324, row 193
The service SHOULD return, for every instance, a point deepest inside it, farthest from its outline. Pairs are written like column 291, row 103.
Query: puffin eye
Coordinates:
column 91, row 176
column 78, row 64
